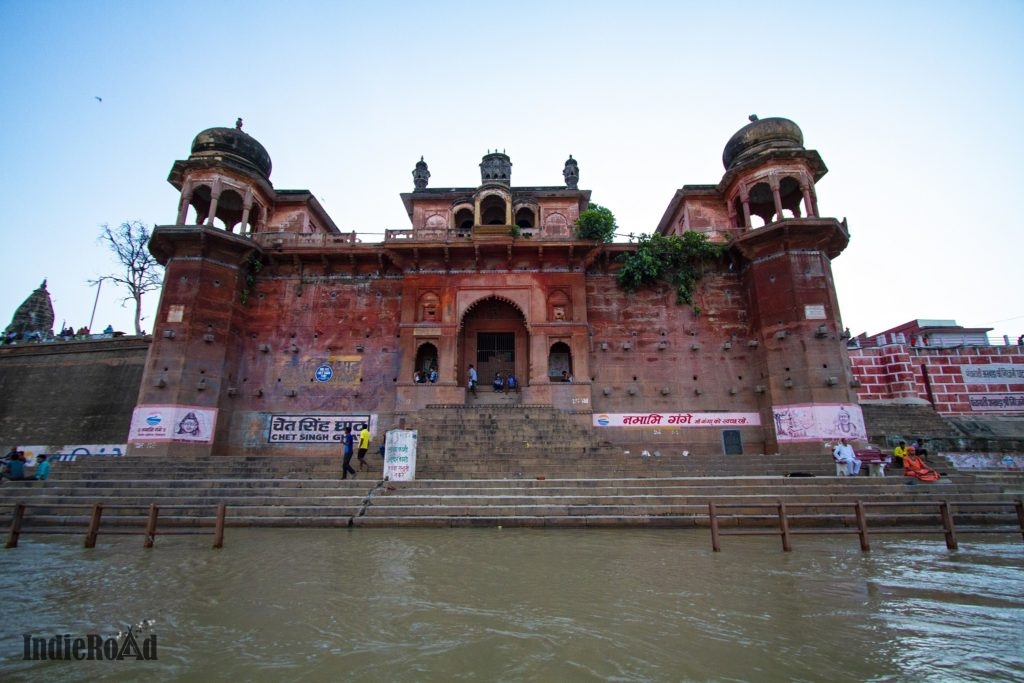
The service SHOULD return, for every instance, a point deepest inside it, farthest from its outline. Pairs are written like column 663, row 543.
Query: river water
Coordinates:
column 521, row 605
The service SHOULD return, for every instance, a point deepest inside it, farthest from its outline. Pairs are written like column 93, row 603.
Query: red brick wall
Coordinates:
column 936, row 375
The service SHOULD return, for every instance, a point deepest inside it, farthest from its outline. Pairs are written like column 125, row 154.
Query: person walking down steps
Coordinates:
column 364, row 445
column 346, row 463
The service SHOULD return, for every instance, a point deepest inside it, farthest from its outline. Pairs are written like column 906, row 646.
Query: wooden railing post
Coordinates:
column 151, row 526
column 218, row 527
column 784, row 527
column 947, row 525
column 862, row 526
column 16, row 520
column 94, row 526
column 715, row 543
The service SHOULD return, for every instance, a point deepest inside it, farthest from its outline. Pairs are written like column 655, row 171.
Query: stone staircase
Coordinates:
column 495, row 465
column 679, row 502
column 888, row 424
column 522, row 441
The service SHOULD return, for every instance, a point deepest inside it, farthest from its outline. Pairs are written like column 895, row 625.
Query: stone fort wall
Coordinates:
column 79, row 392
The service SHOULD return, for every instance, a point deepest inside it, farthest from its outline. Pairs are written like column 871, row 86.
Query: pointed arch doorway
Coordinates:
column 494, row 338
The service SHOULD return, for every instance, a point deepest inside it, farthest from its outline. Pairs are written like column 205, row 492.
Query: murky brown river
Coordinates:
column 521, row 605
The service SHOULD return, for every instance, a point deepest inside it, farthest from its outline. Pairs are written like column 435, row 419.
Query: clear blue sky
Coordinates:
column 916, row 108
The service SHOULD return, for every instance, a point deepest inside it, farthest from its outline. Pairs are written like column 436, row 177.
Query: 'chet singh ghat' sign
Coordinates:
column 313, row 428
column 677, row 420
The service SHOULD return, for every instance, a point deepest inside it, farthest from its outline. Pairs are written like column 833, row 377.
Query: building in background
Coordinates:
column 275, row 328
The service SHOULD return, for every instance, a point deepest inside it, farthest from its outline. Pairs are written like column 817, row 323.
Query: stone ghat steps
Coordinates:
column 906, row 422
column 175, row 494
column 487, row 466
column 647, row 502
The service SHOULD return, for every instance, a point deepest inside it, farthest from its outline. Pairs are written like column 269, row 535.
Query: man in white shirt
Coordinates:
column 844, row 453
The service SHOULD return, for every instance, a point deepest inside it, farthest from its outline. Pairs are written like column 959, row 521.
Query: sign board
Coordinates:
column 172, row 423
column 400, row 455
column 676, row 419
column 314, row 428
column 324, row 373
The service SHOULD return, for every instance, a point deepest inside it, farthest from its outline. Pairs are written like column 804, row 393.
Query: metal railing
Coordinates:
column 96, row 516
column 860, row 519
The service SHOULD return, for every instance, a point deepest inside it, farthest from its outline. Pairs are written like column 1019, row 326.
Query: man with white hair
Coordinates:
column 844, row 453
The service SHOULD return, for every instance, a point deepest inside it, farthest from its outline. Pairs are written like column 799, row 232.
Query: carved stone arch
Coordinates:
column 437, row 221
column 762, row 202
column 202, row 196
column 559, row 306
column 484, row 298
column 494, row 337
column 428, row 308
column 556, row 225
column 791, row 195
column 230, row 207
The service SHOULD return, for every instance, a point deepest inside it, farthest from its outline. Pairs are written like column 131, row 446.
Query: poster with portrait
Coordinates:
column 819, row 422
column 153, row 423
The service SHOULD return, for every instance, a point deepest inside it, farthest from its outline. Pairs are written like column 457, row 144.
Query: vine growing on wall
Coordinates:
column 679, row 260
column 253, row 266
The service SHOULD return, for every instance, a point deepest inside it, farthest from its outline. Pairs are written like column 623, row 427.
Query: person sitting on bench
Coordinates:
column 844, row 453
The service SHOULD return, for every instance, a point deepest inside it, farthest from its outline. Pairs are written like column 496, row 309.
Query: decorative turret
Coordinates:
column 420, row 175
column 34, row 317
column 571, row 172
column 759, row 137
column 232, row 146
column 225, row 180
column 496, row 168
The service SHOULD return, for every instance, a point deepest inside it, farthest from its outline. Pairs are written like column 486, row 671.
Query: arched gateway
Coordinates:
column 494, row 338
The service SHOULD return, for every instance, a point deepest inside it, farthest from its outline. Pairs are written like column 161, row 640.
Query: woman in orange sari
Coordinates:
column 913, row 466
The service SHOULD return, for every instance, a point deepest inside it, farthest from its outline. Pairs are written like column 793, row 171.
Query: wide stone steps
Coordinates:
column 623, row 502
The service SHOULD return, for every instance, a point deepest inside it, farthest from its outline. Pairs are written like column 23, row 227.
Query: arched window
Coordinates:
column 792, row 197
column 464, row 221
column 560, row 362
column 229, row 210
column 762, row 204
column 492, row 210
column 525, row 218
column 426, row 362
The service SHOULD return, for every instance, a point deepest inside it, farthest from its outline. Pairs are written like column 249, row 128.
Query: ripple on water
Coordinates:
column 492, row 604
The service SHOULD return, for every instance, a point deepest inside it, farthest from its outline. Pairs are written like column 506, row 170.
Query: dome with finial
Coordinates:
column 760, row 136
column 235, row 144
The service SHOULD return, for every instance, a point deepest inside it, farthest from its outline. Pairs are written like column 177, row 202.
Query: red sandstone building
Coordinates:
column 274, row 328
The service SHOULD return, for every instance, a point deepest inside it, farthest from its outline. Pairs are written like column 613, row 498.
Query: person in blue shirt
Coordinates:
column 15, row 465
column 42, row 468
column 347, row 451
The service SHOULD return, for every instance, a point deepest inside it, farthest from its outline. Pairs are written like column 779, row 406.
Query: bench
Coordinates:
column 874, row 459
column 870, row 456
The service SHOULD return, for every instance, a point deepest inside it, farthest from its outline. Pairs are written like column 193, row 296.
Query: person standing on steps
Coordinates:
column 472, row 379
column 364, row 444
column 346, row 463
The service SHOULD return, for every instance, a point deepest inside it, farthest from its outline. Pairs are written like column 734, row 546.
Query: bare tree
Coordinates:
column 141, row 273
